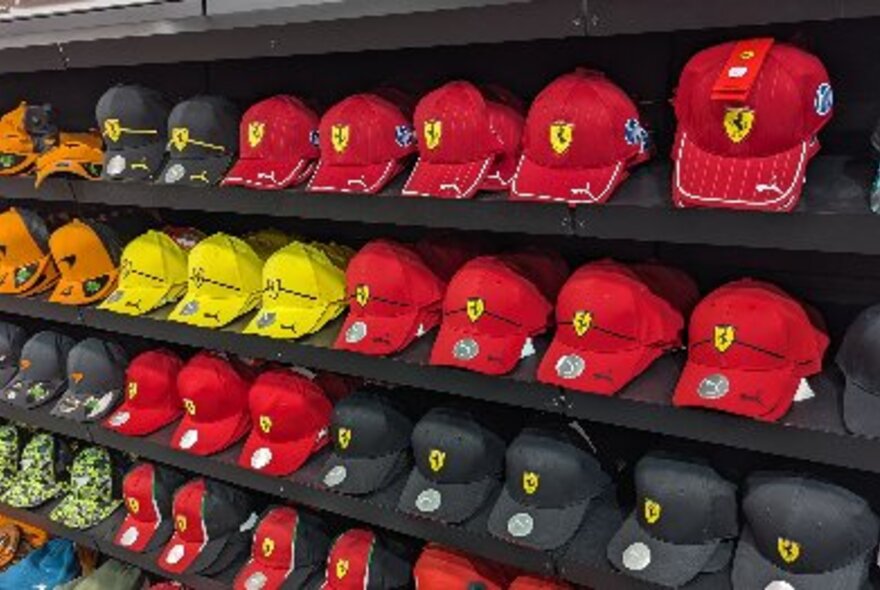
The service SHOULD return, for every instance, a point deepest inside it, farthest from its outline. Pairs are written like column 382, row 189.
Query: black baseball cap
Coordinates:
column 12, row 339
column 95, row 380
column 805, row 534
column 202, row 141
column 684, row 522
column 133, row 122
column 42, row 370
column 459, row 464
column 856, row 358
column 551, row 479
column 371, row 438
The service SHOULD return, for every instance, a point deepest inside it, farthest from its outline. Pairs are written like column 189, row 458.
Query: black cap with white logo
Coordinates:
column 95, row 380
column 459, row 464
column 857, row 359
column 551, row 480
column 804, row 534
column 42, row 370
column 12, row 339
column 684, row 523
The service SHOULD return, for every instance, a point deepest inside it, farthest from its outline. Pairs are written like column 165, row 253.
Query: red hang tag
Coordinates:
column 741, row 70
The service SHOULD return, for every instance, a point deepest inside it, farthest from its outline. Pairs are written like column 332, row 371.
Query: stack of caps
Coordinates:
column 42, row 473
column 151, row 400
column 80, row 154
column 26, row 264
column 148, row 492
column 94, row 492
column 95, row 380
column 25, row 132
column 42, row 370
column 12, row 339
column 87, row 254
column 361, row 559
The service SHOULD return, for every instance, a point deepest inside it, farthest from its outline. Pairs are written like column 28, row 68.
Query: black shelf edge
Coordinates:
column 18, row 188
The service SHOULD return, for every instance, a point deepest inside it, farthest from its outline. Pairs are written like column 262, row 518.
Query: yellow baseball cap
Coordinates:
column 303, row 290
column 224, row 282
column 152, row 274
column 266, row 242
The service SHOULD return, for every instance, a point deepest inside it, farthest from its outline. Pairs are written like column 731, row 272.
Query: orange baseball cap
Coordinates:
column 17, row 150
column 26, row 266
column 87, row 255
column 80, row 154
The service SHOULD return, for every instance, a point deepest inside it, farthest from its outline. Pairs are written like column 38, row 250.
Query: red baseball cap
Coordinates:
column 365, row 141
column 468, row 143
column 438, row 568
column 391, row 308
column 278, row 144
column 536, row 583
column 490, row 313
column 359, row 560
column 610, row 327
column 545, row 268
column 750, row 346
column 147, row 496
column 151, row 400
column 582, row 135
column 292, row 421
column 215, row 398
column 446, row 253
column 748, row 148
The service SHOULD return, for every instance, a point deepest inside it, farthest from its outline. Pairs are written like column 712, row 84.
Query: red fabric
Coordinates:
column 439, row 568
column 151, row 399
column 189, row 537
column 272, row 551
column 349, row 560
column 143, row 514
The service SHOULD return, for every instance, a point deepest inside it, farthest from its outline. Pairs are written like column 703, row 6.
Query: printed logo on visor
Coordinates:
column 637, row 557
column 356, row 332
column 570, row 366
column 24, row 273
column 429, row 500
column 520, row 525
column 466, row 349
column 561, row 136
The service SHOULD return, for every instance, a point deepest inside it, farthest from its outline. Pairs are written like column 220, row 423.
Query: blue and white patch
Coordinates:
column 315, row 138
column 404, row 135
column 635, row 134
column 824, row 100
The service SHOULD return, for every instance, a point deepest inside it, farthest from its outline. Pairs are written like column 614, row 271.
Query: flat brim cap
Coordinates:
column 140, row 536
column 358, row 476
column 140, row 163
column 378, row 335
column 207, row 438
column 276, row 457
column 70, row 292
column 453, row 180
column 573, row 185
column 257, row 575
column 181, row 556
column 211, row 312
column 140, row 300
column 541, row 528
column 132, row 420
column 86, row 406
column 195, row 171
column 265, row 174
column 446, row 502
column 591, row 371
column 484, row 353
column 29, row 394
column 291, row 322
column 861, row 410
column 76, row 513
column 366, row 178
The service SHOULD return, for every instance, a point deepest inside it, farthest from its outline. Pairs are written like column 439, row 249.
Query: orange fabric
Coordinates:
column 77, row 153
column 20, row 254
column 15, row 141
column 88, row 273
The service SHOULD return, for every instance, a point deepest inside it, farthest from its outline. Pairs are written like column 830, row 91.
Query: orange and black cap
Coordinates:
column 26, row 265
column 87, row 254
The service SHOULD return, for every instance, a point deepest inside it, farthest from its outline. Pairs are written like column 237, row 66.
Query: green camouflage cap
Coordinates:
column 93, row 494
column 10, row 446
column 112, row 575
column 41, row 473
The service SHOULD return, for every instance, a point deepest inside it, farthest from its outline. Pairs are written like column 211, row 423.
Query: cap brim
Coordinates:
column 593, row 371
column 207, row 312
column 268, row 174
column 73, row 405
column 54, row 388
column 368, row 178
column 753, row 570
column 191, row 557
column 291, row 322
column 141, row 163
column 668, row 564
column 771, row 183
column 36, row 496
column 447, row 181
column 207, row 438
column 69, row 292
column 141, row 300
column 378, row 335
column 358, row 476
column 256, row 574
column 6, row 375
column 129, row 420
column 274, row 458
column 861, row 410
column 551, row 528
column 756, row 394
column 494, row 355
column 194, row 171
column 452, row 502
column 573, row 185
column 37, row 279
column 88, row 515
column 139, row 536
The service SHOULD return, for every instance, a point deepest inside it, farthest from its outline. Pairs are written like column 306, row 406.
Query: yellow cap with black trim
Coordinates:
column 152, row 274
column 76, row 153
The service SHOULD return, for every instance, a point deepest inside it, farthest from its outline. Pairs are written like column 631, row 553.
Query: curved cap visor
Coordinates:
column 207, row 438
column 181, row 556
column 378, row 335
column 139, row 535
column 454, row 180
column 43, row 275
column 134, row 163
column 212, row 312
column 861, row 410
column 573, row 185
column 287, row 322
column 132, row 420
column 29, row 394
column 71, row 292
column 268, row 174
column 87, row 516
column 139, row 301
column 361, row 475
column 86, row 406
column 205, row 171
column 256, row 574
column 593, row 371
column 493, row 355
column 365, row 178
column 446, row 502
column 541, row 528
column 273, row 457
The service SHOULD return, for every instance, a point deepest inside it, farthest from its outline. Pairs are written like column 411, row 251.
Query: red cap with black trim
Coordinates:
column 278, row 144
column 365, row 141
column 467, row 143
column 439, row 568
column 359, row 560
column 491, row 311
column 291, row 417
column 215, row 399
column 582, row 135
column 391, row 308
column 147, row 494
column 151, row 399
column 748, row 114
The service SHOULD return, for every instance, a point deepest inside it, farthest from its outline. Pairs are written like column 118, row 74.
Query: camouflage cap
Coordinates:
column 94, row 494
column 42, row 473
column 10, row 448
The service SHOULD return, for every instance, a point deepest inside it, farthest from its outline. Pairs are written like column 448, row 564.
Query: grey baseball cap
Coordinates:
column 96, row 378
column 12, row 339
column 41, row 375
column 856, row 359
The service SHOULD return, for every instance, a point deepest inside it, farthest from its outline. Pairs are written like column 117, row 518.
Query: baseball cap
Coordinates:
column 79, row 154
column 152, row 274
column 748, row 114
column 95, row 380
column 526, row 582
column 12, row 339
column 151, row 400
column 215, row 397
column 26, row 265
column 547, row 269
column 861, row 394
column 289, row 546
column 42, row 370
column 803, row 533
column 113, row 575
column 361, row 560
column 18, row 148
column 551, row 480
column 684, row 522
column 132, row 119
column 208, row 516
column 388, row 310
column 610, row 327
column 439, row 568
column 278, row 144
column 491, row 311
column 365, row 141
column 371, row 439
column 11, row 542
column 94, row 492
column 279, row 445
column 11, row 443
column 459, row 464
column 267, row 241
column 749, row 347
column 468, row 143
column 224, row 282
column 148, row 491
column 672, row 284
column 202, row 141
column 52, row 564
column 446, row 253
column 303, row 290
column 87, row 254
column 42, row 473
column 582, row 135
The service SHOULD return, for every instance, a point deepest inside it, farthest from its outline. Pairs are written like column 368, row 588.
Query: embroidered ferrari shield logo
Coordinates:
column 342, row 566
column 789, row 550
column 112, row 129
column 339, row 136
column 652, row 511
column 475, row 308
column 189, row 406
column 738, row 123
column 132, row 389
column 343, row 436
column 725, row 336
column 561, row 136
column 437, row 459
column 530, row 481
column 265, row 424
column 582, row 322
column 268, row 547
column 256, row 130
column 362, row 294
column 179, row 137
column 134, row 506
column 433, row 131
column 180, row 523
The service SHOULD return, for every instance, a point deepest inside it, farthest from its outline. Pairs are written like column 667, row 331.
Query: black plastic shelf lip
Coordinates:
column 40, row 519
column 22, row 188
column 40, row 308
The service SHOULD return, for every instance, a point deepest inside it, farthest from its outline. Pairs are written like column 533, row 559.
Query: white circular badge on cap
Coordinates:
column 466, row 349
column 129, row 537
column 256, row 581
column 174, row 173
column 713, row 387
column 571, row 366
column 335, row 476
column 119, row 418
column 778, row 585
column 175, row 554
column 637, row 557
column 429, row 500
column 189, row 438
column 520, row 525
column 116, row 165
column 356, row 332
column 261, row 458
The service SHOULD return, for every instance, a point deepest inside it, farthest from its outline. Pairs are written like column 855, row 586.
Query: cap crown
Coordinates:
column 92, row 475
column 349, row 561
column 140, row 491
column 14, row 138
column 44, row 356
column 439, row 568
column 152, row 260
column 302, row 275
column 365, row 129
column 151, row 378
column 212, row 389
column 24, row 243
column 82, row 253
column 275, row 538
column 95, row 365
column 205, row 509
column 204, row 126
column 132, row 116
column 277, row 396
column 857, row 351
column 279, row 128
column 545, row 268
column 12, row 339
column 366, row 424
column 224, row 266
